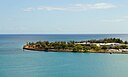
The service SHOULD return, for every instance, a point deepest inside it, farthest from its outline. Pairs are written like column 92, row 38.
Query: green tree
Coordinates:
column 123, row 46
column 116, row 47
column 77, row 48
column 104, row 47
column 95, row 47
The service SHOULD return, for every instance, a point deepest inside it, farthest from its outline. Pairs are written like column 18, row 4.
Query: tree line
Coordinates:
column 71, row 45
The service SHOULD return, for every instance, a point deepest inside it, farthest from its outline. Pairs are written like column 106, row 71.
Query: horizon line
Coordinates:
column 63, row 34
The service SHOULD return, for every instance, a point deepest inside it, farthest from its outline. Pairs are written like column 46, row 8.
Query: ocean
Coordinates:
column 14, row 62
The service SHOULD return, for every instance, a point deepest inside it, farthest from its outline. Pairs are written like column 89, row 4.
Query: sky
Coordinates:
column 63, row 16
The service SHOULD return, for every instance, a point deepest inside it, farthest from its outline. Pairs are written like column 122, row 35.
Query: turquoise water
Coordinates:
column 14, row 62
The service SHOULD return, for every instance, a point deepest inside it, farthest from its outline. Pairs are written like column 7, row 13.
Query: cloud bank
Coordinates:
column 73, row 7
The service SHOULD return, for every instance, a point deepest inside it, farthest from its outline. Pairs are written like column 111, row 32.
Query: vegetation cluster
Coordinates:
column 71, row 45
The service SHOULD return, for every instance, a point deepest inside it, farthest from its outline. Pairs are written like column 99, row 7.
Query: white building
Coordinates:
column 106, row 44
column 99, row 44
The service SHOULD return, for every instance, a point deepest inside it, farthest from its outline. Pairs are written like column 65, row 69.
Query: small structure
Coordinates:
column 84, row 43
column 106, row 44
column 99, row 44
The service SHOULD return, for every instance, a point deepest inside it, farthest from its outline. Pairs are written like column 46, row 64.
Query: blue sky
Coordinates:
column 63, row 16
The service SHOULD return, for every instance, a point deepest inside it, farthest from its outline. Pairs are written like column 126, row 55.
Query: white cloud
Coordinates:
column 29, row 9
column 125, row 17
column 113, row 20
column 74, row 7
column 49, row 8
column 120, row 19
column 102, row 6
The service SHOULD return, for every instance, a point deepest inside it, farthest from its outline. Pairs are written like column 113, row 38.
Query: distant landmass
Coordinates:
column 106, row 45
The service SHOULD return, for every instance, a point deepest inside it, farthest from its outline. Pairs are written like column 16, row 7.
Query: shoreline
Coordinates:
column 106, row 45
column 109, row 51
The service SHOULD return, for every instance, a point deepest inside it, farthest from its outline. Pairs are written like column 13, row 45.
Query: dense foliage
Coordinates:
column 107, row 40
column 71, row 45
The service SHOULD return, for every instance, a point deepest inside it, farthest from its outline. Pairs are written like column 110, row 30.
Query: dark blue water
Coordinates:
column 14, row 62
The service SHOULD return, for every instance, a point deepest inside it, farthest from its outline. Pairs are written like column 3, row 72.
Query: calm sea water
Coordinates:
column 14, row 62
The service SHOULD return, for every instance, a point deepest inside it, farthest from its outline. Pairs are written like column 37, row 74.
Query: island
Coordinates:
column 106, row 45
